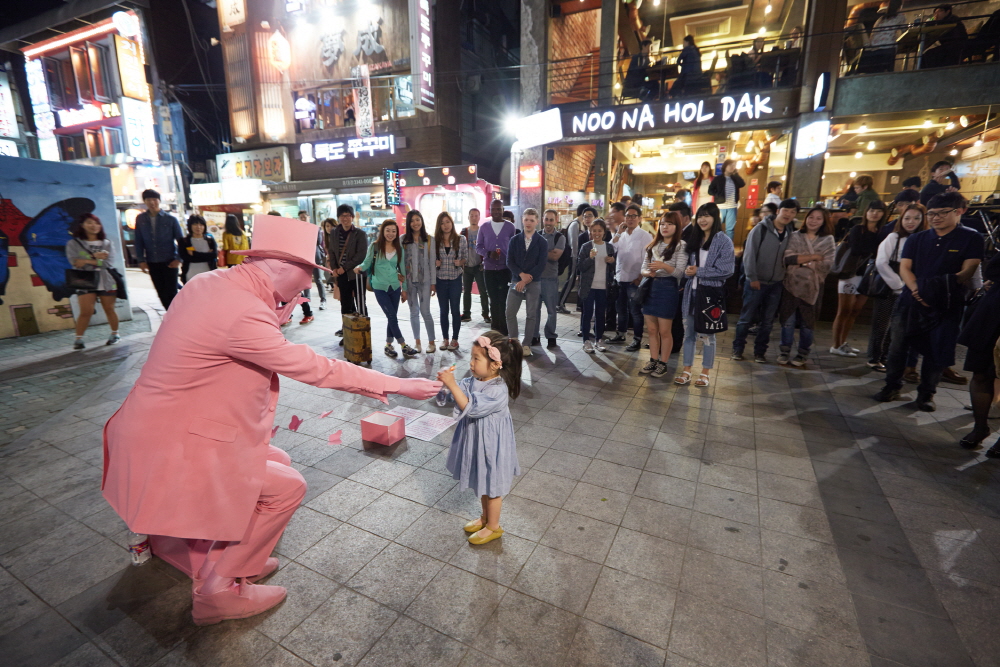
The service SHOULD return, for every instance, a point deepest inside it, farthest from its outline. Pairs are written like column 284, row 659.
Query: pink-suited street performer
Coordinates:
column 187, row 458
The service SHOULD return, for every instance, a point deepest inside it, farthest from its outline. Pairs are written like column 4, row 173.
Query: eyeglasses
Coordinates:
column 941, row 213
column 631, row 215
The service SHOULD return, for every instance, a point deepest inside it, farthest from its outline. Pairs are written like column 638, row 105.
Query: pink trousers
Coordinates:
column 282, row 493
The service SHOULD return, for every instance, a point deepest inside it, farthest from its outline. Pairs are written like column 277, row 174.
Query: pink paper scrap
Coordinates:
column 294, row 424
column 326, row 414
column 335, row 437
column 274, row 431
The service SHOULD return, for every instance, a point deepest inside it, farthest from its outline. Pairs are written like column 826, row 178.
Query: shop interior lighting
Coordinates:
column 736, row 136
column 863, row 128
column 739, row 164
column 953, row 151
column 762, row 30
column 986, row 126
column 826, row 156
column 767, row 10
column 871, row 145
column 617, row 83
column 678, row 143
column 964, row 121
column 979, row 142
column 859, row 155
column 783, row 177
column 927, row 122
column 656, row 3
column 750, row 146
column 853, row 174
column 950, row 126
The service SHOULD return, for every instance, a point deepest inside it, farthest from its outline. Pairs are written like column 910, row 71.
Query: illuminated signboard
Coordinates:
column 91, row 113
column 812, row 139
column 130, row 67
column 422, row 54
column 232, row 13
column 8, row 117
column 269, row 164
column 466, row 173
column 390, row 183
column 530, row 176
column 339, row 150
column 668, row 115
column 538, row 129
column 137, row 119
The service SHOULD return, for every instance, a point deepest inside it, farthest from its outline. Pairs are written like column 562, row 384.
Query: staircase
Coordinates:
column 575, row 79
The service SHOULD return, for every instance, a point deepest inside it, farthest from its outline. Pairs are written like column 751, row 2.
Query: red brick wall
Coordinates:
column 573, row 35
column 570, row 168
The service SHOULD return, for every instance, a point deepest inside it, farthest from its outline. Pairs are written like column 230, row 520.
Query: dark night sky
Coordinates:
column 14, row 11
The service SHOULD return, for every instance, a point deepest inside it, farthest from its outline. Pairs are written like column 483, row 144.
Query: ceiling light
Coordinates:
column 783, row 177
column 736, row 136
column 927, row 122
column 871, row 145
column 859, row 155
column 950, row 126
column 826, row 156
column 979, row 142
column 964, row 121
column 678, row 143
column 762, row 30
column 617, row 85
column 750, row 146
column 953, row 151
column 656, row 3
column 767, row 10
column 853, row 174
column 739, row 164
column 863, row 128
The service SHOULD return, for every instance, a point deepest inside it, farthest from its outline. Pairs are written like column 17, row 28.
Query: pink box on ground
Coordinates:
column 383, row 428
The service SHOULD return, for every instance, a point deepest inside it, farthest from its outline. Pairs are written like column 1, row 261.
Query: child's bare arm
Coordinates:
column 447, row 376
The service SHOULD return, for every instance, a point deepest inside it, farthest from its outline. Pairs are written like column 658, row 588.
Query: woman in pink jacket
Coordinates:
column 188, row 460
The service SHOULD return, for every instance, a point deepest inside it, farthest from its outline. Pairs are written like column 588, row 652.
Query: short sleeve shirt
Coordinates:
column 555, row 241
column 934, row 255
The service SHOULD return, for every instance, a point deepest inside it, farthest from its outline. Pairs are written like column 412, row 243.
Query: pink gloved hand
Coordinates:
column 418, row 388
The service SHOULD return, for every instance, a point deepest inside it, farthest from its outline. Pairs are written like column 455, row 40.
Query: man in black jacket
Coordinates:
column 951, row 44
column 348, row 246
column 725, row 188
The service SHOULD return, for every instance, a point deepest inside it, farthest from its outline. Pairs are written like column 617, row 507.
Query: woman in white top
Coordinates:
column 912, row 220
column 665, row 261
column 699, row 191
column 90, row 250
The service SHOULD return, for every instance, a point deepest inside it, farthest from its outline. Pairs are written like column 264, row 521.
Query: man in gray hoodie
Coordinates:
column 764, row 266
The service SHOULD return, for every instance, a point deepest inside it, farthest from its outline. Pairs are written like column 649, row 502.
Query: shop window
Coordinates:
column 94, row 141
column 72, row 147
column 81, row 73
column 62, row 87
column 97, row 57
column 113, row 142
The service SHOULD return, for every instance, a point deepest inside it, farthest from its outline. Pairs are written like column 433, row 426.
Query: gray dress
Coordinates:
column 483, row 454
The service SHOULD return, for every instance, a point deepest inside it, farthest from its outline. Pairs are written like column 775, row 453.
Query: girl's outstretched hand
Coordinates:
column 447, row 375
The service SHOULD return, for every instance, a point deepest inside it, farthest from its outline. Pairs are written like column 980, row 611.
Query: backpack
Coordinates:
column 566, row 258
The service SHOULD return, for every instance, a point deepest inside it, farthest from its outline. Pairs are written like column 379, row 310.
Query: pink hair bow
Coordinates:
column 491, row 350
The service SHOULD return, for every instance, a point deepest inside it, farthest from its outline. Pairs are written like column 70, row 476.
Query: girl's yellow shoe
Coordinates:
column 475, row 539
column 475, row 525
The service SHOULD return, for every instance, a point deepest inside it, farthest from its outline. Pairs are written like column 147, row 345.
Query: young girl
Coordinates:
column 596, row 266
column 385, row 260
column 419, row 251
column 661, row 305
column 90, row 250
column 483, row 454
column 452, row 254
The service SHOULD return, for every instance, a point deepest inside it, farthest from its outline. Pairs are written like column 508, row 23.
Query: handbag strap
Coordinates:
column 343, row 248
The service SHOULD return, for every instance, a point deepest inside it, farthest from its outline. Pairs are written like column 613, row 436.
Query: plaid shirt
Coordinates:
column 448, row 270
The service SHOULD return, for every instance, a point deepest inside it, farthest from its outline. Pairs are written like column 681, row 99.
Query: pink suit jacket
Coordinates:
column 185, row 455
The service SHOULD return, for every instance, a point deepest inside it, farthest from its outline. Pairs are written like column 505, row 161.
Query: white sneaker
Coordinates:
column 599, row 347
column 588, row 347
column 843, row 351
column 852, row 349
column 526, row 351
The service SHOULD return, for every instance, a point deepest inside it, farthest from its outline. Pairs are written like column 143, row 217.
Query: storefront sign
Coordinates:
column 227, row 192
column 137, row 119
column 662, row 116
column 364, row 123
column 530, row 176
column 422, row 53
column 812, row 139
column 8, row 148
column 467, row 173
column 126, row 23
column 92, row 113
column 390, row 184
column 206, row 194
column 130, row 67
column 269, row 164
column 538, row 129
column 8, row 117
column 232, row 13
column 339, row 150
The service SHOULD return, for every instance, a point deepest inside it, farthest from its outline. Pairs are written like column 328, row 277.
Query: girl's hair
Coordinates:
column 668, row 251
column 408, row 237
column 453, row 239
column 511, row 354
column 827, row 227
column 328, row 221
column 196, row 220
column 725, row 165
column 877, row 205
column 864, row 180
column 79, row 232
column 381, row 241
column 689, row 39
column 233, row 225
column 698, row 238
column 913, row 206
column 600, row 223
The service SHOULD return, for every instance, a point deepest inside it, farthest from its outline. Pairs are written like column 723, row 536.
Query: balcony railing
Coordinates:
column 735, row 65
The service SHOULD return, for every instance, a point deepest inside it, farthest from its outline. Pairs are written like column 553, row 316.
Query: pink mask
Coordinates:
column 288, row 278
column 491, row 351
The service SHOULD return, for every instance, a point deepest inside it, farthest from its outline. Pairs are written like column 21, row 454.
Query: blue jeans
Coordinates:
column 550, row 297
column 595, row 301
column 788, row 337
column 728, row 216
column 626, row 307
column 765, row 300
column 449, row 294
column 388, row 301
column 691, row 338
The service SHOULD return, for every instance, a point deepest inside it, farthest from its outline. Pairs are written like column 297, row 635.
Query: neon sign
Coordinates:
column 336, row 150
column 91, row 113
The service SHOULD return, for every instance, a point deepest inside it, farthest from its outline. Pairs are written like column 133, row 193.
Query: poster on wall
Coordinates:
column 267, row 164
column 35, row 222
column 364, row 113
column 133, row 74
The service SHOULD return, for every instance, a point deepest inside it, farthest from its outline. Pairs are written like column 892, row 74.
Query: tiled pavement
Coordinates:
column 778, row 518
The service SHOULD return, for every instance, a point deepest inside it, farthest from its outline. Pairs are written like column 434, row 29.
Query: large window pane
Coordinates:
column 95, row 143
column 70, row 96
column 113, row 141
column 98, row 57
column 81, row 72
column 53, row 78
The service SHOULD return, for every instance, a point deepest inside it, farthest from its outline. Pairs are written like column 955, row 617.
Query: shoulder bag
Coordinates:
column 846, row 263
column 709, row 307
column 83, row 280
column 872, row 283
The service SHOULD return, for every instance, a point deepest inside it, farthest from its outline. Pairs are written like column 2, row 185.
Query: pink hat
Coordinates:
column 283, row 238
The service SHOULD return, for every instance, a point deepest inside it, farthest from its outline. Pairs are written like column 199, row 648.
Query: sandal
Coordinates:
column 683, row 379
column 702, row 380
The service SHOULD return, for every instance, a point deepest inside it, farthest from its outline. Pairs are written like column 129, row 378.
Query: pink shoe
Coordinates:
column 269, row 568
column 241, row 600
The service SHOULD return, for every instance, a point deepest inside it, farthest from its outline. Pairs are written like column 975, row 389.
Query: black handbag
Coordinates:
column 710, row 309
column 872, row 284
column 642, row 291
column 845, row 262
column 84, row 281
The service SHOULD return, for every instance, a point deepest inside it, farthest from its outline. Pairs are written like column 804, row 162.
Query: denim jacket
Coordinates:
column 163, row 248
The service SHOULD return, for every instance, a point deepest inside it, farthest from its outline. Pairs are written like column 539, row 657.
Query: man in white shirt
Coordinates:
column 630, row 241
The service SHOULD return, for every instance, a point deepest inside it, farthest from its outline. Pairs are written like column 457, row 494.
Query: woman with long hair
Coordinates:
column 452, row 254
column 863, row 244
column 385, row 263
column 725, row 189
column 980, row 335
column 699, row 191
column 808, row 258
column 711, row 260
column 665, row 270
column 199, row 253
column 328, row 226
column 913, row 220
column 233, row 239
column 418, row 247
column 90, row 250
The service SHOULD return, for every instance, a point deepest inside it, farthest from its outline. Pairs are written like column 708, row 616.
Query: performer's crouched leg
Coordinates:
column 278, row 455
column 228, row 592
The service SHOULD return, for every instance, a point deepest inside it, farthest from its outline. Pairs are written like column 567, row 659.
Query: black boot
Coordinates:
column 925, row 402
